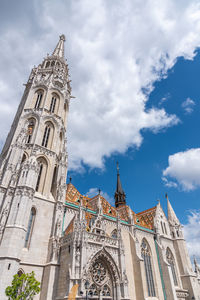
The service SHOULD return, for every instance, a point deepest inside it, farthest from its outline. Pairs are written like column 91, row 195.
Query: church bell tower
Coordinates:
column 33, row 168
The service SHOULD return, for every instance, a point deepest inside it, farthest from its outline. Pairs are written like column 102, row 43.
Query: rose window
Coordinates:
column 99, row 273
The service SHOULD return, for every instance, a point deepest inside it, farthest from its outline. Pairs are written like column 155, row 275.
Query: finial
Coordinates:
column 117, row 167
column 62, row 37
column 99, row 191
column 70, row 179
column 166, row 196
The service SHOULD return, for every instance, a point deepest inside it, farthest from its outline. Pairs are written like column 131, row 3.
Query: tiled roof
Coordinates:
column 144, row 218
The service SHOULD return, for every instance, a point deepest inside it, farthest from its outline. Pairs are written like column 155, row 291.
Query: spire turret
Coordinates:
column 120, row 196
column 59, row 50
column 171, row 214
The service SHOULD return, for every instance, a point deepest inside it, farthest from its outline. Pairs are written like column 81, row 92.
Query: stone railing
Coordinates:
column 98, row 238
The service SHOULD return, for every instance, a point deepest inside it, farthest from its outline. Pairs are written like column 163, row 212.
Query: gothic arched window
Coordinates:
column 41, row 175
column 146, row 255
column 114, row 234
column 47, row 64
column 48, row 135
column 53, row 104
column 24, row 157
column 30, row 228
column 38, row 99
column 165, row 228
column 31, row 126
column 53, row 184
column 20, row 272
column 162, row 227
column 171, row 262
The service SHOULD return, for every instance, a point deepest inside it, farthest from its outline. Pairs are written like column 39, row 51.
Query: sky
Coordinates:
column 135, row 69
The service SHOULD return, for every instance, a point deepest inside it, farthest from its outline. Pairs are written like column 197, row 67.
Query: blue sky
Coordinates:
column 135, row 69
column 141, row 169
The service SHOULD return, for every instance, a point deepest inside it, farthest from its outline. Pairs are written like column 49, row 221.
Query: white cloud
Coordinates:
column 114, row 56
column 95, row 191
column 188, row 105
column 192, row 234
column 169, row 183
column 184, row 167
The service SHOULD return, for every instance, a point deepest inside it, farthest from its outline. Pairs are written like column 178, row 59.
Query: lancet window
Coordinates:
column 114, row 234
column 31, row 126
column 30, row 227
column 38, row 99
column 53, row 184
column 170, row 260
column 53, row 104
column 20, row 272
column 146, row 255
column 48, row 135
column 41, row 175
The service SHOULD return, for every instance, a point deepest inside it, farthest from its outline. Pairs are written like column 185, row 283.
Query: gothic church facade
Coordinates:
column 67, row 238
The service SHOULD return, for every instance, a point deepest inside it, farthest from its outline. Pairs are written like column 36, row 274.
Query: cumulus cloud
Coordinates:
column 188, row 105
column 95, row 191
column 192, row 234
column 184, row 168
column 114, row 56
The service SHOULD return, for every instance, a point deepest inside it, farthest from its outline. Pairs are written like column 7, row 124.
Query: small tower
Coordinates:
column 33, row 168
column 174, row 223
column 120, row 197
column 183, row 259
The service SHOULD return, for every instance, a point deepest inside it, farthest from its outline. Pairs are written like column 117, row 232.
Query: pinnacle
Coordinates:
column 59, row 50
column 171, row 214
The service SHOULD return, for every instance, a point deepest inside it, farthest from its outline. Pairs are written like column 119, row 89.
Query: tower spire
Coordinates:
column 120, row 197
column 59, row 50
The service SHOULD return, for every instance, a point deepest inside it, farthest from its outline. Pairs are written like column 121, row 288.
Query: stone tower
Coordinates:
column 33, row 168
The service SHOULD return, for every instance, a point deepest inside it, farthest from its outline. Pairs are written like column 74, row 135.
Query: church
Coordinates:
column 68, row 239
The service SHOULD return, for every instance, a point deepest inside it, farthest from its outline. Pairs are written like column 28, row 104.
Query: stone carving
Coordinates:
column 55, row 248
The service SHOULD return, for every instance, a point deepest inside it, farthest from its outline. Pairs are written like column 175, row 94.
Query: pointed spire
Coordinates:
column 120, row 197
column 171, row 214
column 59, row 50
